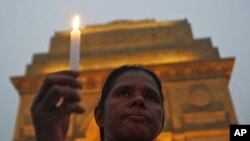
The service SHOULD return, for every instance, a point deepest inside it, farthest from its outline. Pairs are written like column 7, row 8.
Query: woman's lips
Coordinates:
column 137, row 118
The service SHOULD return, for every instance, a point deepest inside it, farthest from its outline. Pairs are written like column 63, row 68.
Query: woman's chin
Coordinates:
column 138, row 133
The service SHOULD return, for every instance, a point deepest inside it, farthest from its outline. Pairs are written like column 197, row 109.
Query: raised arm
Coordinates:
column 51, row 121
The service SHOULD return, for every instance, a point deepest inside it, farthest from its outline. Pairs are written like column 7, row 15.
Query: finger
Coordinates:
column 63, row 78
column 56, row 93
column 69, row 108
column 60, row 79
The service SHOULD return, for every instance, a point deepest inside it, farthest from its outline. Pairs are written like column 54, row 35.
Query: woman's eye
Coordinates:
column 150, row 98
column 124, row 93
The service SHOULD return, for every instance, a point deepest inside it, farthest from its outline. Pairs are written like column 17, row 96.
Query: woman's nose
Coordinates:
column 138, row 101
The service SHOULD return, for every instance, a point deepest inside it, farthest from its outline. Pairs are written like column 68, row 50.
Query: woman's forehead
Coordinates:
column 132, row 77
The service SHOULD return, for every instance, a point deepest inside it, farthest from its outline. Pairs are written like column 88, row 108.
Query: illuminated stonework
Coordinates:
column 195, row 78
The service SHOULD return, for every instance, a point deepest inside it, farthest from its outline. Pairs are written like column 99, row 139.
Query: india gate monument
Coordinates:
column 195, row 78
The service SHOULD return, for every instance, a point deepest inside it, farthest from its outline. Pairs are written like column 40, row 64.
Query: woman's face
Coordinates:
column 133, row 109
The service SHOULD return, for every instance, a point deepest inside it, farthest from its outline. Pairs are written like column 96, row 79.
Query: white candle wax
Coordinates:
column 75, row 37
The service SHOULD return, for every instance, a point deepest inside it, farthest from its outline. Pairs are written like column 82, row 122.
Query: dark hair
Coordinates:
column 109, row 83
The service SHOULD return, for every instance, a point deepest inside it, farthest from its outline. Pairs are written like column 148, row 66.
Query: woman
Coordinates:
column 130, row 108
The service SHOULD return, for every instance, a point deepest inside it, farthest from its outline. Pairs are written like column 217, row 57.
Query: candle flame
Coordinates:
column 76, row 22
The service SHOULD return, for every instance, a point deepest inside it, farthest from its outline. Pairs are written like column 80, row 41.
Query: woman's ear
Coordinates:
column 99, row 116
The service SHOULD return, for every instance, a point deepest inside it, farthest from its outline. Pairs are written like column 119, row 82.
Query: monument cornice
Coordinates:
column 167, row 73
column 195, row 70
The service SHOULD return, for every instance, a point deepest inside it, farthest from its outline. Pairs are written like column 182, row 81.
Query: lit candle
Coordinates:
column 75, row 37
